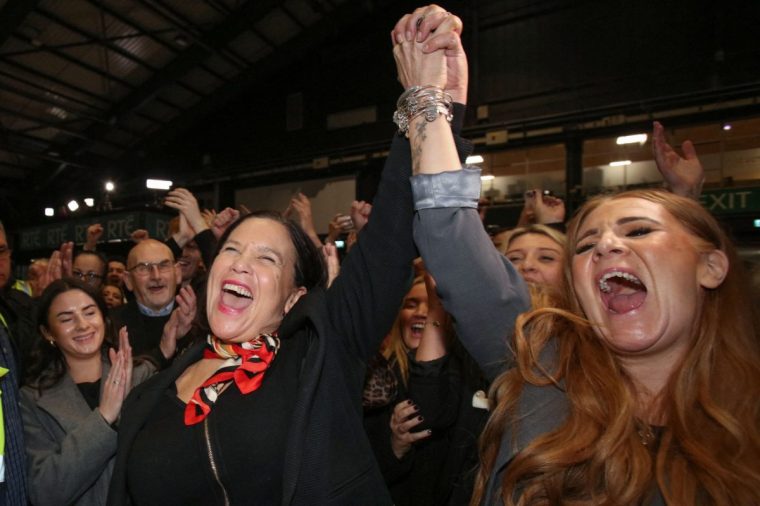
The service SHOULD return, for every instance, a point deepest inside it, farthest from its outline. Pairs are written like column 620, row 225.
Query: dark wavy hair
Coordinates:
column 309, row 270
column 47, row 364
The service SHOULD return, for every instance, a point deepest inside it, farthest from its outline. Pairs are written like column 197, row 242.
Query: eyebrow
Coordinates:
column 64, row 313
column 621, row 221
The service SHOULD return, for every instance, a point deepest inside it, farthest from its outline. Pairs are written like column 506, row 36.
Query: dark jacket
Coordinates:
column 438, row 470
column 328, row 459
column 144, row 331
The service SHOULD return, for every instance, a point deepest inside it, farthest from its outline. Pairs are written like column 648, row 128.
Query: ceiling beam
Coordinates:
column 13, row 13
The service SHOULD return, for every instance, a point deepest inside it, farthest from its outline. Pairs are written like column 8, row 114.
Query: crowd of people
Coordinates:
column 610, row 359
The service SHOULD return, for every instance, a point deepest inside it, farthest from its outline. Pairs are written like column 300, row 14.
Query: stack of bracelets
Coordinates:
column 429, row 101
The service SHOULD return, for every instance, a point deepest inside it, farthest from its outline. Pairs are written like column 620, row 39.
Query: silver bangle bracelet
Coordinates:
column 429, row 101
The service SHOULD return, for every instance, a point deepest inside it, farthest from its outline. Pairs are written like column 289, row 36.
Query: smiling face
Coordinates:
column 156, row 286
column 75, row 323
column 640, row 277
column 251, row 282
column 189, row 261
column 537, row 257
column 115, row 275
column 412, row 316
column 112, row 295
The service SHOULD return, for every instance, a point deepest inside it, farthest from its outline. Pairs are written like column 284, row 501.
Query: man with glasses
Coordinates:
column 152, row 276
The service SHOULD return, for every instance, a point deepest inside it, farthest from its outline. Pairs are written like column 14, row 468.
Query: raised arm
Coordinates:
column 478, row 287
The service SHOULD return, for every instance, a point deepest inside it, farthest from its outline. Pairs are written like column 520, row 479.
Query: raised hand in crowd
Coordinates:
column 139, row 235
column 340, row 224
column 94, row 233
column 330, row 254
column 119, row 380
column 208, row 216
column 180, row 322
column 301, row 206
column 684, row 175
column 359, row 213
column 185, row 202
column 223, row 219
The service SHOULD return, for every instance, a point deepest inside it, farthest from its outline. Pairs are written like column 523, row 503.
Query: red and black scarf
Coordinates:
column 244, row 363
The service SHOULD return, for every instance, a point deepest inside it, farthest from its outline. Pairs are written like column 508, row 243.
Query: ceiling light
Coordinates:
column 727, row 126
column 73, row 205
column 49, row 211
column 632, row 139
column 89, row 201
column 110, row 186
column 158, row 184
column 620, row 163
column 487, row 177
column 473, row 159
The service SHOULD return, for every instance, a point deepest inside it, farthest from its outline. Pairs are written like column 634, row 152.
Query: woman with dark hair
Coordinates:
column 73, row 397
column 268, row 409
column 640, row 386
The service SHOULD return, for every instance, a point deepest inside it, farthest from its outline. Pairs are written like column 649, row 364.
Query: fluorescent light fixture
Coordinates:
column 158, row 184
column 89, row 201
column 727, row 126
column 473, row 159
column 757, row 223
column 620, row 163
column 340, row 244
column 110, row 186
column 49, row 211
column 487, row 177
column 632, row 139
column 73, row 205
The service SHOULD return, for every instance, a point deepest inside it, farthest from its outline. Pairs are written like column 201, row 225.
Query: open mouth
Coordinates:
column 417, row 328
column 622, row 292
column 236, row 296
column 156, row 288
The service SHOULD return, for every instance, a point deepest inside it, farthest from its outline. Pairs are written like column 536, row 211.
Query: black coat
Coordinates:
column 328, row 459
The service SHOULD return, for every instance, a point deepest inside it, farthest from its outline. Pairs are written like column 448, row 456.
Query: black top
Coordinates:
column 91, row 393
column 246, row 433
column 327, row 457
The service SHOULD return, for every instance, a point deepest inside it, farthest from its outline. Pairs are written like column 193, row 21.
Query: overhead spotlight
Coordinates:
column 73, row 205
column 757, row 223
column 632, row 139
column 158, row 184
column 727, row 126
column 473, row 159
column 89, row 202
column 620, row 163
column 110, row 186
column 49, row 211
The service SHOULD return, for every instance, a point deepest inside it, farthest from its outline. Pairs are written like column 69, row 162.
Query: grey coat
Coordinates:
column 70, row 448
column 484, row 293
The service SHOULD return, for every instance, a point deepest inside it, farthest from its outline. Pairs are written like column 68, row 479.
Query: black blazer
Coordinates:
column 328, row 459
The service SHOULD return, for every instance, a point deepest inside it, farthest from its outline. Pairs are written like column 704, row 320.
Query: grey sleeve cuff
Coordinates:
column 459, row 188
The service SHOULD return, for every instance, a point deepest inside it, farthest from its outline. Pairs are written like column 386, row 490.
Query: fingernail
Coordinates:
column 420, row 418
column 409, row 36
column 399, row 38
column 409, row 402
column 429, row 431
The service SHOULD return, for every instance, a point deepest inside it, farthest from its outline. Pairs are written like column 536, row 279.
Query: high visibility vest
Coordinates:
column 23, row 286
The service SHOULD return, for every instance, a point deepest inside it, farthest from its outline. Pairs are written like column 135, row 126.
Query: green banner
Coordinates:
column 117, row 226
